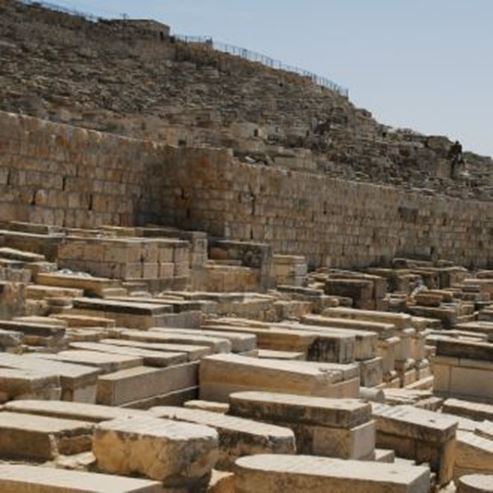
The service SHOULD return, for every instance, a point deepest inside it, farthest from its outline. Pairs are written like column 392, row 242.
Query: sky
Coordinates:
column 420, row 64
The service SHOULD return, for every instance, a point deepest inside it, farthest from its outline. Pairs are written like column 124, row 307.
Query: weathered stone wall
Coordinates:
column 62, row 175
column 58, row 174
column 331, row 221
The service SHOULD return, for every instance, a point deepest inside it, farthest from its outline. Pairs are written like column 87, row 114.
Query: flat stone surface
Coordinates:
column 283, row 355
column 32, row 479
column 485, row 430
column 237, row 436
column 71, row 375
column 217, row 345
column 413, row 422
column 293, row 474
column 475, row 483
column 464, row 349
column 128, row 307
column 383, row 330
column 149, row 358
column 193, row 352
column 216, row 407
column 221, row 375
column 33, row 329
column 220, row 344
column 139, row 383
column 336, row 413
column 474, row 454
column 70, row 410
column 240, row 342
column 165, row 450
column 15, row 383
column 107, row 362
column 40, row 437
column 400, row 320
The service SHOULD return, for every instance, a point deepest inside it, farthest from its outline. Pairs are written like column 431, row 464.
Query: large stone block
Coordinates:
column 40, row 437
column 181, row 455
column 78, row 382
column 220, row 375
column 325, row 427
column 475, row 483
column 237, row 436
column 137, row 384
column 32, row 479
column 293, row 474
column 418, row 434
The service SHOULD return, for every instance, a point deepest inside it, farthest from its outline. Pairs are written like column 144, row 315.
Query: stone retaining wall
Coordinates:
column 63, row 175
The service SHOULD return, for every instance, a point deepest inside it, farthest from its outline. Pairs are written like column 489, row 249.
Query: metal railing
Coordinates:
column 252, row 56
column 70, row 10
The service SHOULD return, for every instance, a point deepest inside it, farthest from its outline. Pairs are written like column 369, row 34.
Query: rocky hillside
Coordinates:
column 120, row 77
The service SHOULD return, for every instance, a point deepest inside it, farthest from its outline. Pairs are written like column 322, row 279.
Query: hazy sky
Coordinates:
column 421, row 64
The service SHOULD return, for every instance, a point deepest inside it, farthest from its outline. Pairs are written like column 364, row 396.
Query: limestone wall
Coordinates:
column 331, row 221
column 58, row 174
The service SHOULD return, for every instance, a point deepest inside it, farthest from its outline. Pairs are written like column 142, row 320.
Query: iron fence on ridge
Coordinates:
column 222, row 47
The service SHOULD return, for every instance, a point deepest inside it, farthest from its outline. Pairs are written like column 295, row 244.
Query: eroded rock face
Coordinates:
column 178, row 454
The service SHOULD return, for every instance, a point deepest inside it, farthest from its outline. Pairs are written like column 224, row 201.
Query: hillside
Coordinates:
column 119, row 77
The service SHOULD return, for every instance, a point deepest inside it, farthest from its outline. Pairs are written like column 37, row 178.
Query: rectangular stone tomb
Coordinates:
column 25, row 384
column 94, row 286
column 141, row 383
column 399, row 320
column 383, row 330
column 217, row 345
column 365, row 342
column 474, row 455
column 237, row 436
column 472, row 410
column 221, row 375
column 278, row 339
column 93, row 413
column 325, row 427
column 330, row 346
column 240, row 342
column 220, row 344
column 464, row 378
column 78, row 382
column 36, row 479
column 192, row 352
column 107, row 362
column 150, row 358
column 418, row 434
column 35, row 334
column 452, row 348
column 41, row 438
column 138, row 315
column 294, row 474
column 180, row 455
